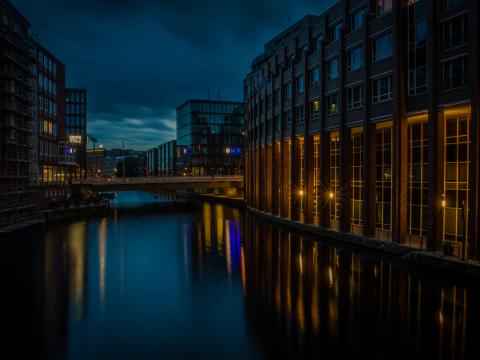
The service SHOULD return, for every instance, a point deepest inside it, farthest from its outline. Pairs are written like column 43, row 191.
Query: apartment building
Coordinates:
column 17, row 117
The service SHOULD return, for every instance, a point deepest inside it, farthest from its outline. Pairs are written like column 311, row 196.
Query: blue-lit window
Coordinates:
column 382, row 48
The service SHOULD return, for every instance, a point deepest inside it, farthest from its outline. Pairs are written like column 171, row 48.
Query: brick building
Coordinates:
column 364, row 121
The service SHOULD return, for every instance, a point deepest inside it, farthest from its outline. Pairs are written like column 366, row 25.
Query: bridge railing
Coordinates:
column 153, row 180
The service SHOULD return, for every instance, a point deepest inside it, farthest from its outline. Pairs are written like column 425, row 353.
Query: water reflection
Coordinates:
column 346, row 303
column 215, row 283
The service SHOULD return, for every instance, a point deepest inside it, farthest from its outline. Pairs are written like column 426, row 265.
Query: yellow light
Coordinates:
column 444, row 203
column 331, row 195
column 300, row 192
column 227, row 150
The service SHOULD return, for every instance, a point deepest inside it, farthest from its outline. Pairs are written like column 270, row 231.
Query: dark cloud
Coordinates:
column 140, row 59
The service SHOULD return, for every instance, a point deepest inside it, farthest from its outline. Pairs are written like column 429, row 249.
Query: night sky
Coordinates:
column 140, row 59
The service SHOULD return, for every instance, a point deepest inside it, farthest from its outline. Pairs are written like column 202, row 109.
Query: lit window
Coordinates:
column 332, row 104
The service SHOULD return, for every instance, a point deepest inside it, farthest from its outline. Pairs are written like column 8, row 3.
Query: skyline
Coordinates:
column 171, row 62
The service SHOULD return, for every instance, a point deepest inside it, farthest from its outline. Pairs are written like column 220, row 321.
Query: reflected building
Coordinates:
column 209, row 138
column 310, row 300
column 363, row 120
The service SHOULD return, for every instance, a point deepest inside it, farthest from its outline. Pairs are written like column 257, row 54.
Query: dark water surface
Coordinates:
column 215, row 283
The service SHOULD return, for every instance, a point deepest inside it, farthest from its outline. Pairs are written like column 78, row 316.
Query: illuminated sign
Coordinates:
column 233, row 150
column 75, row 139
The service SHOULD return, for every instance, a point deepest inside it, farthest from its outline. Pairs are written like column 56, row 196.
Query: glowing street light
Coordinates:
column 330, row 195
column 444, row 202
column 301, row 193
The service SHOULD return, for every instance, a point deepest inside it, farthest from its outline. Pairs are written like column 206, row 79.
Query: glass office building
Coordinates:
column 76, row 128
column 209, row 138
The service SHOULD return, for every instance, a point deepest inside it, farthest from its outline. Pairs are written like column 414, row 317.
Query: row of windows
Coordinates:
column 455, row 75
column 47, row 106
column 455, row 207
column 46, row 84
column 75, row 109
column 47, row 63
column 76, row 96
column 48, row 128
column 75, row 121
column 47, row 149
column 454, row 34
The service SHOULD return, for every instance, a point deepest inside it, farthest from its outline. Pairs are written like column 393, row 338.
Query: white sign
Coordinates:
column 75, row 139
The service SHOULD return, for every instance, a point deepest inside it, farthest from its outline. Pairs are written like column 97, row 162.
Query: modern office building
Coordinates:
column 17, row 117
column 152, row 161
column 209, row 137
column 364, row 121
column 167, row 158
column 76, row 128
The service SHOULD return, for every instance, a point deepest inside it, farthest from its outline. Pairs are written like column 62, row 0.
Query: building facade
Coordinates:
column 55, row 156
column 152, row 161
column 17, row 117
column 364, row 120
column 209, row 137
column 167, row 158
column 95, row 162
column 76, row 128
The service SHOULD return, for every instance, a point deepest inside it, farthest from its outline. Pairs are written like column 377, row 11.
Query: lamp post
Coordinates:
column 330, row 196
column 301, row 193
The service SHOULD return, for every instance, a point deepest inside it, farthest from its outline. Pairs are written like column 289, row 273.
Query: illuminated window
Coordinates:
column 332, row 104
column 417, row 183
column 287, row 168
column 278, row 179
column 300, row 165
column 457, row 160
column 316, row 180
column 356, row 139
column 334, row 190
column 315, row 109
column 384, row 182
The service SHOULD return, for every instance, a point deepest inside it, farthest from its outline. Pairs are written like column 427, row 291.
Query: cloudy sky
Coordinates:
column 140, row 59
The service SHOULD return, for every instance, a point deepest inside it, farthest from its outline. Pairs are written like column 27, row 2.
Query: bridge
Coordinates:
column 162, row 183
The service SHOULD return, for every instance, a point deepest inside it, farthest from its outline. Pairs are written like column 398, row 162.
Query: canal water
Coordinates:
column 212, row 282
